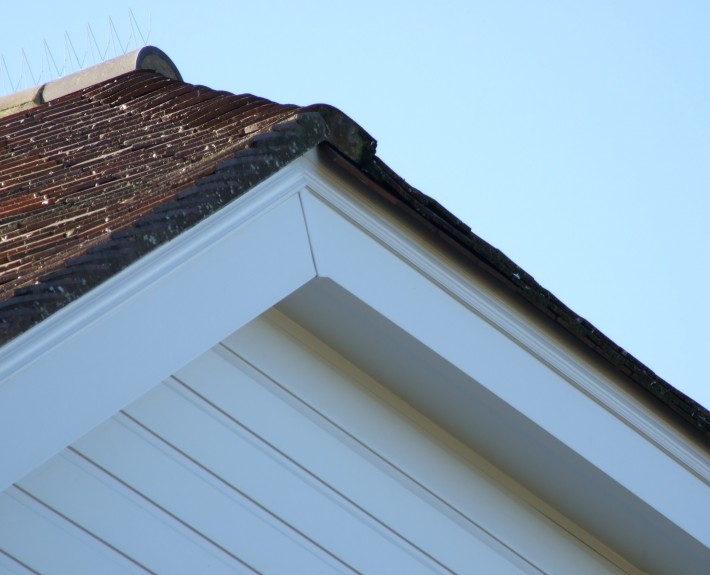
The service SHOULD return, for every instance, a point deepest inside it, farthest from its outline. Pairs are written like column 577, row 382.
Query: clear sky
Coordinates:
column 574, row 136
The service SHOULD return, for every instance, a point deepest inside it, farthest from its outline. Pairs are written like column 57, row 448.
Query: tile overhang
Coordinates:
column 268, row 137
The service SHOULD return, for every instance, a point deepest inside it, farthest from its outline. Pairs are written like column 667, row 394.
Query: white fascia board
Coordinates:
column 378, row 263
column 90, row 359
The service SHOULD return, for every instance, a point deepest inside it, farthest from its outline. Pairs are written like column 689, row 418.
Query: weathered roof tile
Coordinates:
column 94, row 179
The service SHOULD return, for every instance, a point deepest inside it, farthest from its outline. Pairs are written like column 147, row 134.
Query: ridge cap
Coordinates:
column 146, row 58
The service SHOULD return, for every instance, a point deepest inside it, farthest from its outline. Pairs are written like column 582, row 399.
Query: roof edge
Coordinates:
column 146, row 58
column 259, row 156
column 384, row 180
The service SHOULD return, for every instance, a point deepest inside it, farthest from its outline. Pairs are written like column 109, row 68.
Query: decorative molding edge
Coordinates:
column 83, row 311
column 324, row 183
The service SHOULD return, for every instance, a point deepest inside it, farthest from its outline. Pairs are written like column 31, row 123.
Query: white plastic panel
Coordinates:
column 214, row 500
column 616, row 454
column 104, row 350
column 384, row 524
column 47, row 543
column 421, row 458
column 121, row 517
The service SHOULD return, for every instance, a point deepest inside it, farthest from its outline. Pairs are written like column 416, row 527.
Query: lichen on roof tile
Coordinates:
column 97, row 178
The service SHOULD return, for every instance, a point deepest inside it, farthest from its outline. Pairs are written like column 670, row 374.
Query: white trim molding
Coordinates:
column 67, row 374
column 386, row 296
column 326, row 185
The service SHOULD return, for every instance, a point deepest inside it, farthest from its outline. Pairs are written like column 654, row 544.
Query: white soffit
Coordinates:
column 608, row 460
column 496, row 374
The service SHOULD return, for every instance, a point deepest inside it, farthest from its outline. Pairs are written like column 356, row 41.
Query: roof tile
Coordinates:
column 93, row 180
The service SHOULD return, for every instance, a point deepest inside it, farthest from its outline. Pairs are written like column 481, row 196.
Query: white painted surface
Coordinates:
column 9, row 566
column 48, row 543
column 93, row 357
column 123, row 519
column 421, row 457
column 435, row 263
column 276, row 441
column 666, row 483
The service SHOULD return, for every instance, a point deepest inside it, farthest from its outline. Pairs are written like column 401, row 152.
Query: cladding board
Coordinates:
column 173, row 297
column 271, row 440
column 216, row 507
column 256, row 446
column 122, row 518
column 397, row 522
column 418, row 455
column 8, row 566
column 286, row 494
column 606, row 455
column 47, row 542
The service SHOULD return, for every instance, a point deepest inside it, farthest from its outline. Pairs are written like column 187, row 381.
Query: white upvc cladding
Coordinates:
column 271, row 453
column 418, row 438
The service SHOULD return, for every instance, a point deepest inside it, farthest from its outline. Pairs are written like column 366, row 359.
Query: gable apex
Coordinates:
column 98, row 177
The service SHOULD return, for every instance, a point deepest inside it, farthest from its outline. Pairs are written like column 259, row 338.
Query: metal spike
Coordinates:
column 93, row 53
column 132, row 20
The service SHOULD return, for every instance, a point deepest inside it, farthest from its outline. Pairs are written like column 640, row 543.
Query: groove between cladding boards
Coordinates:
column 391, row 467
column 407, row 543
column 426, row 492
column 78, row 526
column 110, row 485
column 189, row 461
column 162, row 509
column 19, row 563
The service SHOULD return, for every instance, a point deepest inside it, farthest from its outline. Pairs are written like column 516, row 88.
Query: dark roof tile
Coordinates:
column 93, row 180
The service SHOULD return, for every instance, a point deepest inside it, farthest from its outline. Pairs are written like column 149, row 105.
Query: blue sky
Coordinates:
column 573, row 136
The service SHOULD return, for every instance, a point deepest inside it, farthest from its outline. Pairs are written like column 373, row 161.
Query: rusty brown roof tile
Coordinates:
column 98, row 153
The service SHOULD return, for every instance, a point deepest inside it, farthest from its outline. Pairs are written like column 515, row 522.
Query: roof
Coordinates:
column 93, row 179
